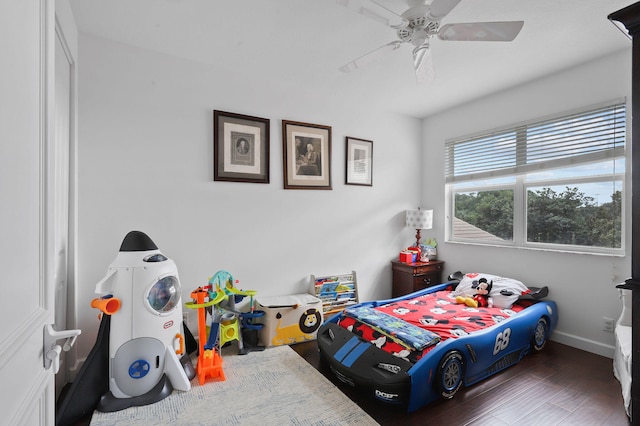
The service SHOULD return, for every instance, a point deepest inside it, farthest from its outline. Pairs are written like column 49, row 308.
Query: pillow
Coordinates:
column 504, row 292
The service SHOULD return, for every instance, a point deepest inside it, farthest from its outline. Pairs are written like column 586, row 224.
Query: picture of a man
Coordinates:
column 242, row 149
column 308, row 156
column 242, row 146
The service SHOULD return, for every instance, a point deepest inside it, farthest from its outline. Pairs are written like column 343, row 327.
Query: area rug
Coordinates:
column 272, row 387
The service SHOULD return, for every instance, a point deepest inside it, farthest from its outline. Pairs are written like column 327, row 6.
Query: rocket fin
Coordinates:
column 174, row 371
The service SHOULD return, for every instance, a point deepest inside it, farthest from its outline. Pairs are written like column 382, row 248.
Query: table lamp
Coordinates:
column 419, row 219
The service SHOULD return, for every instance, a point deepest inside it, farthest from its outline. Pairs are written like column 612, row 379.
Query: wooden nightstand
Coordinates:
column 410, row 277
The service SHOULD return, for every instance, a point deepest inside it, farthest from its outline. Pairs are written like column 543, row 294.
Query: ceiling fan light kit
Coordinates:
column 419, row 24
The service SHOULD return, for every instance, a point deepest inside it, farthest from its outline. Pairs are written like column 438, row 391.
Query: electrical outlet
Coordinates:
column 607, row 324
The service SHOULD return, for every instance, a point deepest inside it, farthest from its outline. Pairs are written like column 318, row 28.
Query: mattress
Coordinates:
column 436, row 314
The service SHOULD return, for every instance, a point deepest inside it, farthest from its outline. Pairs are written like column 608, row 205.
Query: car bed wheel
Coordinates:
column 450, row 374
column 540, row 335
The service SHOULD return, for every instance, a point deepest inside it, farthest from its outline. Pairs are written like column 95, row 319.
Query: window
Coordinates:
column 556, row 183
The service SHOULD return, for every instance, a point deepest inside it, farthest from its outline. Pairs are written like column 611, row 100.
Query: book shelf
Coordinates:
column 336, row 292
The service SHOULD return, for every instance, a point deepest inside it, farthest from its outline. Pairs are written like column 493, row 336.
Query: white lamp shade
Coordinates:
column 420, row 219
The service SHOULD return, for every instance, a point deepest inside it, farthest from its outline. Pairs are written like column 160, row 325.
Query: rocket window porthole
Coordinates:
column 164, row 295
column 158, row 257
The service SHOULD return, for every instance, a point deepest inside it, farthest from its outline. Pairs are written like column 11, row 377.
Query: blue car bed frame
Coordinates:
column 448, row 365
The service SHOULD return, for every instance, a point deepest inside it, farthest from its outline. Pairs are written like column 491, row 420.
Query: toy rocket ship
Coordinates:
column 135, row 358
column 141, row 292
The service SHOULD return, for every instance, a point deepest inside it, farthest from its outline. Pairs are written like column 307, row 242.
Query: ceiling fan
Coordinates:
column 419, row 24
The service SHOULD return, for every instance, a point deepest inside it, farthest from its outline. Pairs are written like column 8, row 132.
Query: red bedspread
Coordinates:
column 437, row 312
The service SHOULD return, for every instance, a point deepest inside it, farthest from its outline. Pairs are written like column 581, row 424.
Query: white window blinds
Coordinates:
column 581, row 137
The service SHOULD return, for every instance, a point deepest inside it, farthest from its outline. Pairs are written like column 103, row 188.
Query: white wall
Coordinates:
column 145, row 163
column 583, row 285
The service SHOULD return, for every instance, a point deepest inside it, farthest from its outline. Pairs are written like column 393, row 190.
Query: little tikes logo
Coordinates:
column 167, row 324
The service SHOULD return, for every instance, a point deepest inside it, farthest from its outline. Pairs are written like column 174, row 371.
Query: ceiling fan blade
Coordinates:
column 423, row 63
column 375, row 11
column 370, row 57
column 481, row 31
column 441, row 8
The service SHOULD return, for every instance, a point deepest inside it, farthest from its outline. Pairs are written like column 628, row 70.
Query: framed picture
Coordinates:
column 240, row 148
column 306, row 155
column 359, row 168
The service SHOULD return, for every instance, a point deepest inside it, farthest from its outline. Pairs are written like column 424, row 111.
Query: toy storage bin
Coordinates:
column 289, row 319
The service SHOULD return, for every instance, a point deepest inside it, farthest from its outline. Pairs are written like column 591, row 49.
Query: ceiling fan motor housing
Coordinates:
column 419, row 27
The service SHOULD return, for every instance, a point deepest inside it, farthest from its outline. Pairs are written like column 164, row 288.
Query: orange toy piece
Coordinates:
column 107, row 305
column 209, row 365
column 209, row 361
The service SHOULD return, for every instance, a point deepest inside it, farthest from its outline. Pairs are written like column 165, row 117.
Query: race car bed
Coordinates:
column 412, row 350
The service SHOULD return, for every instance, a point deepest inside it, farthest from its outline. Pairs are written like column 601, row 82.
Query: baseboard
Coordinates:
column 583, row 344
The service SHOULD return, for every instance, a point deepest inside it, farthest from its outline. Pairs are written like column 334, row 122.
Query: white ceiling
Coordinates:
column 304, row 42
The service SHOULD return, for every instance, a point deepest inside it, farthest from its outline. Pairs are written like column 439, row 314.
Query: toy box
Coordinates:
column 289, row 319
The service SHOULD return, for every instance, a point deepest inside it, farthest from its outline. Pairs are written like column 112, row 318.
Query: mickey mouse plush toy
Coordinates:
column 481, row 299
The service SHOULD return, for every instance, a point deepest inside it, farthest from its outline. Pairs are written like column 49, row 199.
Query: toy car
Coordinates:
column 412, row 350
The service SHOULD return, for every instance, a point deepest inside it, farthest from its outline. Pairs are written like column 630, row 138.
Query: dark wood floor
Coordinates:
column 558, row 386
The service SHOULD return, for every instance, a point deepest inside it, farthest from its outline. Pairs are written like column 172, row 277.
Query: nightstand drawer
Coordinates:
column 428, row 269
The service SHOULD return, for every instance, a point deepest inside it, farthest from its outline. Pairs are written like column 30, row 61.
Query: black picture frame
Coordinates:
column 359, row 161
column 240, row 147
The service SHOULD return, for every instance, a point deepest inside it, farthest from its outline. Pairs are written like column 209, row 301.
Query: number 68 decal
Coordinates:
column 502, row 341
